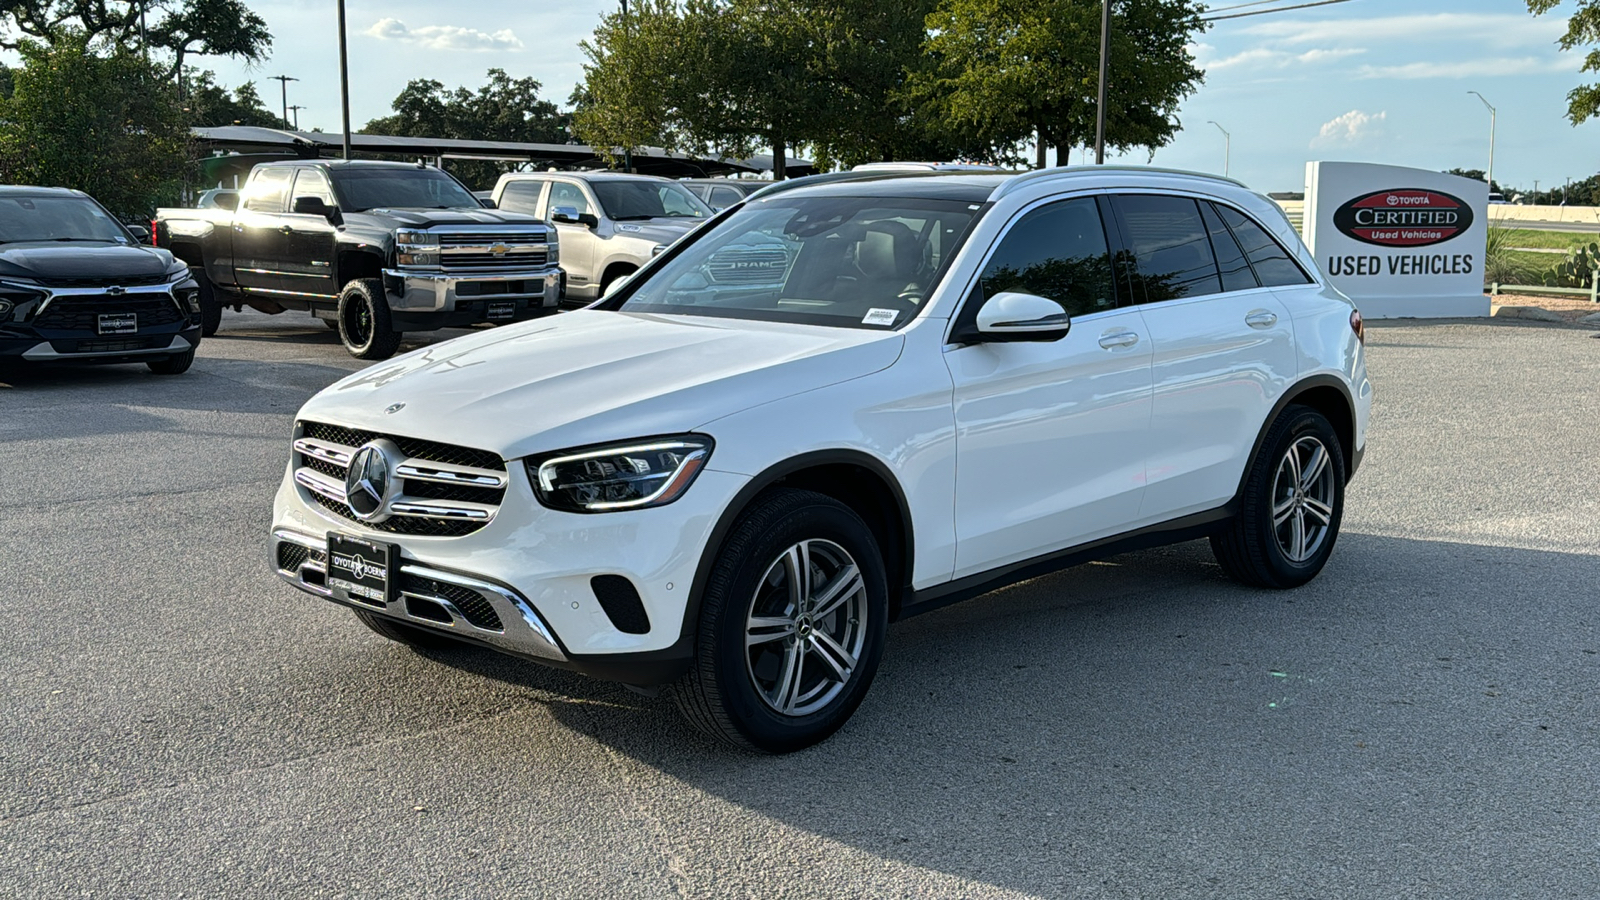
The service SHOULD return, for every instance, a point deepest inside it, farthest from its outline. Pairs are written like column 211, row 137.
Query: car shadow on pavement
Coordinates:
column 1073, row 732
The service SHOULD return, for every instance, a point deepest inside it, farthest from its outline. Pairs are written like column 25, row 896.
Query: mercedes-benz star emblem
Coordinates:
column 394, row 408
column 369, row 483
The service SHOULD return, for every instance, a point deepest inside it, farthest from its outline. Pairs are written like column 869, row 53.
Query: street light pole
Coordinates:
column 296, row 110
column 1227, row 148
column 1100, row 104
column 344, row 81
column 1489, row 177
column 283, row 83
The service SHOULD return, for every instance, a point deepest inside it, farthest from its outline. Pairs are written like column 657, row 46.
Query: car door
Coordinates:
column 307, row 265
column 578, row 242
column 1050, row 436
column 1223, row 349
column 259, row 243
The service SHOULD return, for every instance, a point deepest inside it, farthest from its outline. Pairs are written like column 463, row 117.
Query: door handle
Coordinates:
column 285, row 229
column 1261, row 318
column 1118, row 339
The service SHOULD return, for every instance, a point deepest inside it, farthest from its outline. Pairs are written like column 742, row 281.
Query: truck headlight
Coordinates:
column 416, row 249
column 552, row 253
column 633, row 475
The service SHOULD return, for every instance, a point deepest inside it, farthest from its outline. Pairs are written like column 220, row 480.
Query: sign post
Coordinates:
column 1401, row 243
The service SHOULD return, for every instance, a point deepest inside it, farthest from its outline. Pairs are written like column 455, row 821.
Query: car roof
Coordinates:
column 583, row 176
column 977, row 188
column 342, row 164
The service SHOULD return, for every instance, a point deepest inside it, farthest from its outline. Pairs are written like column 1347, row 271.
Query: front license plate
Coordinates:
column 119, row 323
column 361, row 568
column 502, row 310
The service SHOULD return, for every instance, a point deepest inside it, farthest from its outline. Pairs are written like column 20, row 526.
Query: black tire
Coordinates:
column 365, row 326
column 721, row 694
column 1257, row 551
column 410, row 635
column 210, row 306
column 176, row 364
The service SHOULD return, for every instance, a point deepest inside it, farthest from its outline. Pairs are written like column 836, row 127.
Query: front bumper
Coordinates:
column 445, row 292
column 134, row 348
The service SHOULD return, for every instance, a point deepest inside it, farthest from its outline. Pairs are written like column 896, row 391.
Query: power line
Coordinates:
column 1217, row 9
column 1262, row 12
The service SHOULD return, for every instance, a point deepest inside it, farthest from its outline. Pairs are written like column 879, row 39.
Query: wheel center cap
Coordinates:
column 805, row 628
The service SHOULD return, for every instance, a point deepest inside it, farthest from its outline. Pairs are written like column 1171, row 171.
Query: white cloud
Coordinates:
column 1498, row 29
column 1350, row 128
column 1263, row 57
column 444, row 37
column 1473, row 68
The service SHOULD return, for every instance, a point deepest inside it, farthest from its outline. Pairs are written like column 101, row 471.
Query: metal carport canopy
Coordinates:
column 248, row 139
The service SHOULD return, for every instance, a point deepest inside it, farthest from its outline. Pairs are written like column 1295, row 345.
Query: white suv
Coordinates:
column 959, row 381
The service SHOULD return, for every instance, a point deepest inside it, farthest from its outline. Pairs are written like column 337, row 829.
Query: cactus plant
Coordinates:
column 1577, row 270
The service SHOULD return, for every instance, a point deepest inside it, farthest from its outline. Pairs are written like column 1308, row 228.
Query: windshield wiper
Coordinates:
column 85, row 240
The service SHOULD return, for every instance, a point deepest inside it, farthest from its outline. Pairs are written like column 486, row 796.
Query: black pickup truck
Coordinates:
column 373, row 249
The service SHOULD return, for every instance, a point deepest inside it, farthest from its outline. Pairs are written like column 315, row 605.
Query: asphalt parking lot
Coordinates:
column 1421, row 721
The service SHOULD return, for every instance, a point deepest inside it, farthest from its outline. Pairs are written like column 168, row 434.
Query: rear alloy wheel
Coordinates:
column 791, row 626
column 365, row 326
column 1291, row 506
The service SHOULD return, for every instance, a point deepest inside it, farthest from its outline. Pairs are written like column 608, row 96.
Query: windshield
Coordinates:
column 852, row 262
column 626, row 199
column 57, row 218
column 397, row 188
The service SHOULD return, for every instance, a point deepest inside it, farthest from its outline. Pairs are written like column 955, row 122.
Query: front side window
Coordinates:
column 1058, row 252
column 852, row 262
column 267, row 190
column 312, row 183
column 566, row 194
column 1272, row 263
column 1172, row 255
column 57, row 218
column 625, row 200
column 399, row 187
column 522, row 196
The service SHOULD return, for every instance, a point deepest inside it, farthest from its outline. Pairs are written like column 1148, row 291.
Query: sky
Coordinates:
column 1381, row 81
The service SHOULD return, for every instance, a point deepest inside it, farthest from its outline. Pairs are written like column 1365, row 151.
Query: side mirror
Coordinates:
column 314, row 206
column 227, row 201
column 488, row 203
column 141, row 233
column 1015, row 316
column 616, row 285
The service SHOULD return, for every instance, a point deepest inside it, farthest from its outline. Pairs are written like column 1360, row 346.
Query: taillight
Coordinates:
column 153, row 240
column 1357, row 327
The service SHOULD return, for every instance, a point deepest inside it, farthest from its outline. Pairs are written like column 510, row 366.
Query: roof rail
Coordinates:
column 1027, row 178
column 779, row 187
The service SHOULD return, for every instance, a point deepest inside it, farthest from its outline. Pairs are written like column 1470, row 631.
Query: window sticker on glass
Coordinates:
column 876, row 316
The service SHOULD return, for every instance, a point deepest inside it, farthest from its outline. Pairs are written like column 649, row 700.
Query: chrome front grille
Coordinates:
column 490, row 251
column 748, row 266
column 446, row 490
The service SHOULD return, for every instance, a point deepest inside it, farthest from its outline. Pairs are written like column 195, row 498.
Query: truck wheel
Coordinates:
column 210, row 306
column 176, row 364
column 791, row 625
column 364, row 323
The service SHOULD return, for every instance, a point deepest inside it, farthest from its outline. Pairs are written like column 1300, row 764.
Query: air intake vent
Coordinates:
column 621, row 602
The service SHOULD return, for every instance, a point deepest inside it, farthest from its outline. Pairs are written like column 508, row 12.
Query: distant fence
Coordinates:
column 1592, row 291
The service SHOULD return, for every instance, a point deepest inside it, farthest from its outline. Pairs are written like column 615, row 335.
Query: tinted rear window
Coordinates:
column 1171, row 251
column 1272, row 263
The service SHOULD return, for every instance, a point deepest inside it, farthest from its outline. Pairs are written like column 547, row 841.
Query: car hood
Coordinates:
column 51, row 260
column 590, row 376
column 422, row 218
column 662, row 231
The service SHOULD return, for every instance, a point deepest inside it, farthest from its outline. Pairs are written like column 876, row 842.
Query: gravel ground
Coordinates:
column 1421, row 721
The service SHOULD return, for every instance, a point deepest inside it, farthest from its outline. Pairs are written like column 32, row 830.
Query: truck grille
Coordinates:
column 474, row 251
column 82, row 313
column 736, row 266
column 446, row 490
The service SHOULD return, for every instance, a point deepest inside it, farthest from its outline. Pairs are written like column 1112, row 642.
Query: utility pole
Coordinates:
column 296, row 111
column 1489, row 176
column 1536, row 192
column 1227, row 148
column 1100, row 105
column 344, row 81
column 283, row 83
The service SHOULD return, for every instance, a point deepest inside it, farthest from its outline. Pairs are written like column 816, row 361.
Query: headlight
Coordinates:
column 636, row 475
column 417, row 249
column 188, row 298
column 552, row 253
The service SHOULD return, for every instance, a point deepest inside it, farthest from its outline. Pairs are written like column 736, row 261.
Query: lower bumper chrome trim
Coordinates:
column 45, row 351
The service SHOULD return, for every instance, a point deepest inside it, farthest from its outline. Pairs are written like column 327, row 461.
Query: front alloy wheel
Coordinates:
column 791, row 625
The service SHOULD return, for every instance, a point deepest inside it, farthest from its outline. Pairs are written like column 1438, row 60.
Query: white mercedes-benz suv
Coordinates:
column 959, row 381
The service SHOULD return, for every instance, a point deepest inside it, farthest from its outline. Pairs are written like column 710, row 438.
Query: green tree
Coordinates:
column 1583, row 27
column 1475, row 175
column 173, row 29
column 210, row 104
column 503, row 109
column 101, row 123
column 1009, row 70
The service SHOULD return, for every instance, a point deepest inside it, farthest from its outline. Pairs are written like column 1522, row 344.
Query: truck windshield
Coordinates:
column 57, row 218
column 851, row 262
column 397, row 188
column 623, row 200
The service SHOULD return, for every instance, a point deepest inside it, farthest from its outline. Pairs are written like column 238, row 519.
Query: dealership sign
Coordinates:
column 1400, row 242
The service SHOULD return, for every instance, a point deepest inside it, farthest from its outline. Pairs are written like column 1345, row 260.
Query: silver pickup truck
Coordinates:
column 610, row 223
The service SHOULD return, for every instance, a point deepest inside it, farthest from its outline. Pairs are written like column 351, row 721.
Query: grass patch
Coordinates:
column 1550, row 240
